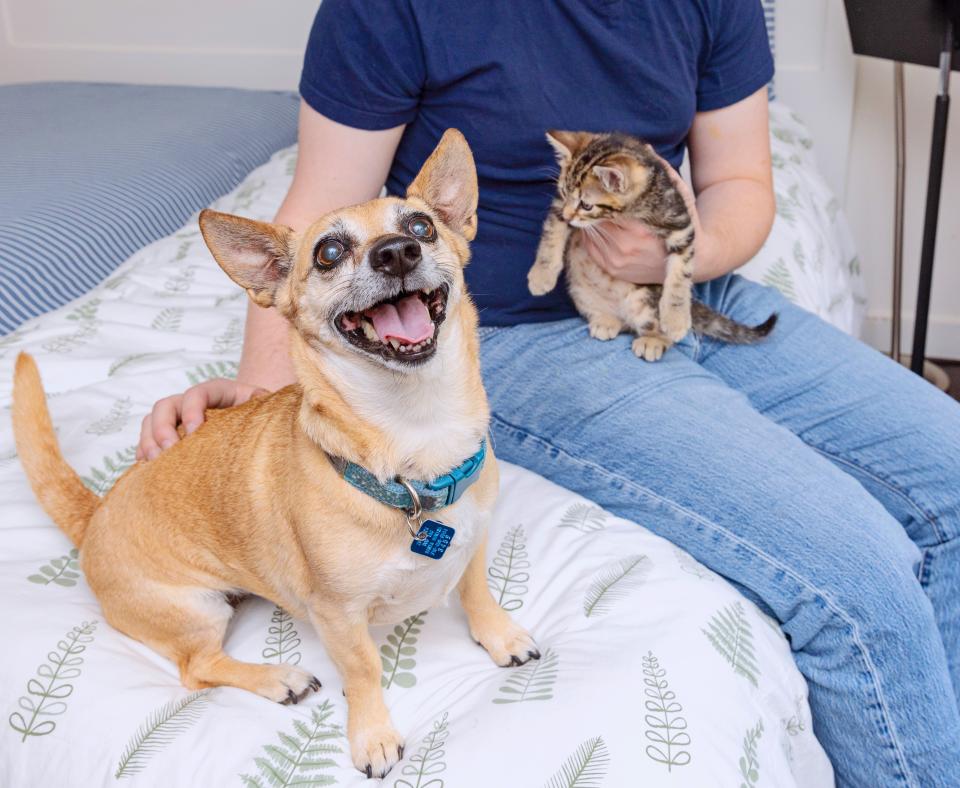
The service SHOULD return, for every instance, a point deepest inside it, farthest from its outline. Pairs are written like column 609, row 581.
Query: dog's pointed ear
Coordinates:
column 447, row 182
column 567, row 144
column 256, row 255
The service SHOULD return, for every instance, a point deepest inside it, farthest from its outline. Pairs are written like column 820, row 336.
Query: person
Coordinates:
column 819, row 477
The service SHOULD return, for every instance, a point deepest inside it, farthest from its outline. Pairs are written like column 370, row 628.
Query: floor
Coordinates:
column 952, row 368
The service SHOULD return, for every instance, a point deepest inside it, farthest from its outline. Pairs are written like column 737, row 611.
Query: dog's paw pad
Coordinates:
column 376, row 750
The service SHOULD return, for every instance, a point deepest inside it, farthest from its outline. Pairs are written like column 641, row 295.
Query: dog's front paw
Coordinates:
column 506, row 642
column 376, row 750
column 605, row 327
column 675, row 321
column 540, row 280
column 288, row 684
column 650, row 348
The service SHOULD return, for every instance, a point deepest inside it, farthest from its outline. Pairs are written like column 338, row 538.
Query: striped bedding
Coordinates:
column 93, row 172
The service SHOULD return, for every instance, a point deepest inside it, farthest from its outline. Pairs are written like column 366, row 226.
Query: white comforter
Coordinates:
column 654, row 671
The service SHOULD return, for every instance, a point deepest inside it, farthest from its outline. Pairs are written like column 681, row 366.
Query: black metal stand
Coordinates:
column 934, row 182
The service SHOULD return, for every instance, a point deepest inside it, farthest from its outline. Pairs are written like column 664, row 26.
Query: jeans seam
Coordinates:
column 887, row 483
column 888, row 724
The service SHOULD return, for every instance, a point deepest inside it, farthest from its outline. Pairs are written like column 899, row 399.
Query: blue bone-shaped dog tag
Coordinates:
column 438, row 538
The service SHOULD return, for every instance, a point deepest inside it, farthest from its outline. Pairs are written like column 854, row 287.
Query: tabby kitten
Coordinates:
column 603, row 177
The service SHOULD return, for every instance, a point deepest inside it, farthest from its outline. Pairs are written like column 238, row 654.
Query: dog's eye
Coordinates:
column 329, row 252
column 585, row 206
column 422, row 227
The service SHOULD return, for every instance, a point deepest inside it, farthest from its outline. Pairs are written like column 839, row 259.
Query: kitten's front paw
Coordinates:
column 375, row 750
column 650, row 348
column 540, row 280
column 605, row 327
column 675, row 321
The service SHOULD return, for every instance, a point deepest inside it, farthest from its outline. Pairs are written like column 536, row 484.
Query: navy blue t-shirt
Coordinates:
column 505, row 71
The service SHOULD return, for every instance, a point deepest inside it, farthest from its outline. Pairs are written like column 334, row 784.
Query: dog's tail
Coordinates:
column 712, row 324
column 56, row 485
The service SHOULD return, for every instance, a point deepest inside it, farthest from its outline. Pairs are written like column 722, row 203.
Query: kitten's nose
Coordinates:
column 569, row 211
column 395, row 255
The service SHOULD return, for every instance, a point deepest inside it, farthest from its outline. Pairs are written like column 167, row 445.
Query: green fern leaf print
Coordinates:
column 115, row 420
column 102, row 479
column 46, row 695
column 586, row 768
column 230, row 339
column 132, row 360
column 236, row 295
column 730, row 634
column 613, row 583
column 666, row 727
column 691, row 565
column 301, row 756
column 62, row 571
column 396, row 655
column 85, row 316
column 168, row 319
column 584, row 517
column 508, row 575
column 158, row 730
column 749, row 765
column 283, row 640
column 428, row 761
column 181, row 281
column 779, row 276
column 532, row 681
column 214, row 369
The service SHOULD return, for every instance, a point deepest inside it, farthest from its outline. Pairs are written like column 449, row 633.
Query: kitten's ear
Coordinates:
column 447, row 182
column 568, row 144
column 614, row 179
column 256, row 255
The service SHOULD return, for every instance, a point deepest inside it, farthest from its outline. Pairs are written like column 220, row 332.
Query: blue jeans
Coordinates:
column 819, row 477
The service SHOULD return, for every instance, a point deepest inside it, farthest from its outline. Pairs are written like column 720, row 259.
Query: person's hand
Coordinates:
column 627, row 249
column 159, row 428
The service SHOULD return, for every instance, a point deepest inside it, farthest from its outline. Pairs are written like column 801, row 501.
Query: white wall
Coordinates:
column 243, row 43
column 869, row 204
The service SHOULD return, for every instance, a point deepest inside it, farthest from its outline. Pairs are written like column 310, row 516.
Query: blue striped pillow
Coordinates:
column 93, row 172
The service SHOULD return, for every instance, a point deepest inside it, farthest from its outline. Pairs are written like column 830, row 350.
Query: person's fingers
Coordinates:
column 147, row 448
column 195, row 402
column 165, row 418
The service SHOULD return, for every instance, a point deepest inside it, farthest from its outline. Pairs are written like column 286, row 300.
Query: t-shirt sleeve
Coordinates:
column 364, row 64
column 737, row 62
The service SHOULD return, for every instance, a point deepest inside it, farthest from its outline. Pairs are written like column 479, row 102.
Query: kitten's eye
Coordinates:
column 329, row 252
column 422, row 227
column 585, row 206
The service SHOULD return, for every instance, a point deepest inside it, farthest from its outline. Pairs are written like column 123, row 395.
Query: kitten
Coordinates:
column 603, row 177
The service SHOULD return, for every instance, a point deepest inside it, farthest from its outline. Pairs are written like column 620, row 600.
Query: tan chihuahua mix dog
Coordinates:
column 298, row 496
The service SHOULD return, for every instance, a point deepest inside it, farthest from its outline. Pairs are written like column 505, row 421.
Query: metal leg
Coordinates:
column 934, row 182
column 899, row 117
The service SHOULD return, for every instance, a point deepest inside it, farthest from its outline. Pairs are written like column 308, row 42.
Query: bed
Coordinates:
column 654, row 672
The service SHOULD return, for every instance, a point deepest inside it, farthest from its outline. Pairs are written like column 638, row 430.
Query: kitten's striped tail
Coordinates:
column 712, row 324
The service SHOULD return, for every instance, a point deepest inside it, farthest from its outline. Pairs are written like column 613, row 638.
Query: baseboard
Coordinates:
column 943, row 335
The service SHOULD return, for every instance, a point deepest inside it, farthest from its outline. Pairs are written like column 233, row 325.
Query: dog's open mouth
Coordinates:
column 402, row 328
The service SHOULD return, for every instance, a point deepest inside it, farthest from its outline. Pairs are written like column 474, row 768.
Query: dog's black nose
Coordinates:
column 395, row 255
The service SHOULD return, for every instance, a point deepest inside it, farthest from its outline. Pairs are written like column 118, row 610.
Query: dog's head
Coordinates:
column 377, row 279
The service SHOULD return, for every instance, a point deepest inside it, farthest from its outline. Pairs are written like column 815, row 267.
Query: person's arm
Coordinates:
column 733, row 206
column 337, row 165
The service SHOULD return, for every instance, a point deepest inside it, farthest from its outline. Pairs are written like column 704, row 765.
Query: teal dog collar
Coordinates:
column 443, row 491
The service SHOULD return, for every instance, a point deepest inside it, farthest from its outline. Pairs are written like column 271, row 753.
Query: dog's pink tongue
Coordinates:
column 407, row 321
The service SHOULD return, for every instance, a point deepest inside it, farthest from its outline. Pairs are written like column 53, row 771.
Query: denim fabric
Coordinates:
column 819, row 477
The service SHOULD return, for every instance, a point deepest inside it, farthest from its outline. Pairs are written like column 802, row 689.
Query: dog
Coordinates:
column 309, row 496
